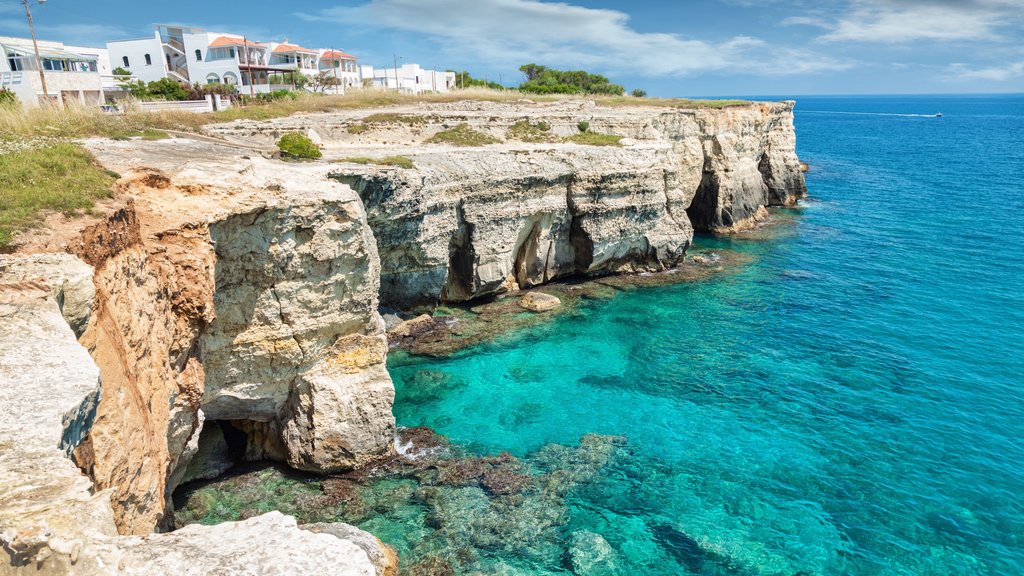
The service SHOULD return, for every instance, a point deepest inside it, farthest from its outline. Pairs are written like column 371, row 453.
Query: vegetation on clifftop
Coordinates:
column 40, row 175
column 397, row 161
column 298, row 145
column 462, row 135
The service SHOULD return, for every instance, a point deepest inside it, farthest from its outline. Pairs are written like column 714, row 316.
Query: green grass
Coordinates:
column 526, row 131
column 462, row 135
column 397, row 161
column 394, row 118
column 357, row 128
column 61, row 177
column 595, row 139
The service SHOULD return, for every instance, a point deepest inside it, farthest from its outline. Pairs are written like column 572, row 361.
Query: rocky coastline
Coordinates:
column 224, row 302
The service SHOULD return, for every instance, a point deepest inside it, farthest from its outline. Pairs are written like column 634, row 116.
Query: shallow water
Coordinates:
column 848, row 403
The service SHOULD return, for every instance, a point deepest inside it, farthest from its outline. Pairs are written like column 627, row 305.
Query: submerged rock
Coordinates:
column 589, row 554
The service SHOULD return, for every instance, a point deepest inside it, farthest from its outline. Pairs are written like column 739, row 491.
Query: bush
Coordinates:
column 462, row 135
column 298, row 145
column 166, row 89
column 7, row 98
column 638, row 93
column 583, row 125
column 199, row 91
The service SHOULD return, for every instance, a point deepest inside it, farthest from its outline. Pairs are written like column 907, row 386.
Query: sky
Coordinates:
column 666, row 47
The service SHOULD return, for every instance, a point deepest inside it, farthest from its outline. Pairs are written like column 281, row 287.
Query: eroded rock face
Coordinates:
column 233, row 290
column 54, row 522
column 68, row 278
column 471, row 222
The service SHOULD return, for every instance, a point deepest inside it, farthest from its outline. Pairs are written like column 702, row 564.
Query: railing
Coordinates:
column 179, row 70
column 198, row 106
column 10, row 78
column 176, row 44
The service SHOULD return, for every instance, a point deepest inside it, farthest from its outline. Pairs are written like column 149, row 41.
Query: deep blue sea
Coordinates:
column 851, row 402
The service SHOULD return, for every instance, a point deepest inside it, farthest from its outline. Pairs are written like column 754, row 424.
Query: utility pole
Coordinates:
column 35, row 45
column 398, row 85
column 245, row 48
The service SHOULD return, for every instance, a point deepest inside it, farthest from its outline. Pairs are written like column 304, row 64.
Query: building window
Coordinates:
column 212, row 79
column 124, row 60
column 199, row 55
column 149, row 61
column 230, row 79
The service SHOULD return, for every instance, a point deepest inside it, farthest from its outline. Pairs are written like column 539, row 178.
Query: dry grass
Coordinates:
column 79, row 122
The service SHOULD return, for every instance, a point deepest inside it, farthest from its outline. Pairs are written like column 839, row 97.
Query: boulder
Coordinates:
column 589, row 554
column 68, row 279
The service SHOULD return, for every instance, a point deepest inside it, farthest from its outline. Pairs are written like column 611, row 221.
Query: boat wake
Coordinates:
column 936, row 115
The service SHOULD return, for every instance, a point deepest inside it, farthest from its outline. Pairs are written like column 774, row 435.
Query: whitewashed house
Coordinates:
column 74, row 74
column 194, row 55
column 344, row 67
column 409, row 78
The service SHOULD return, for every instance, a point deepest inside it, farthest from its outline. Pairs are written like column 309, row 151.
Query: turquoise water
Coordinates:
column 849, row 403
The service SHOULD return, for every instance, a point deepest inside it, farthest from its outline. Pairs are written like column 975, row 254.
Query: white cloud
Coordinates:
column 891, row 21
column 995, row 74
column 513, row 32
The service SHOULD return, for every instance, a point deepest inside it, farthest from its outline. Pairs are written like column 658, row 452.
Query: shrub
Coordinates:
column 199, row 91
column 357, row 128
column 583, row 125
column 462, row 135
column 298, row 145
column 7, row 98
column 638, row 93
column 166, row 89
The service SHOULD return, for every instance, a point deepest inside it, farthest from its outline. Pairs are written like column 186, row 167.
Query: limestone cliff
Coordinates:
column 230, row 289
column 468, row 222
column 228, row 304
column 53, row 521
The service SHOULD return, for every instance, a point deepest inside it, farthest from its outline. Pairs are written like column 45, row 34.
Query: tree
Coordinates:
column 532, row 71
column 322, row 81
column 464, row 80
column 543, row 80
column 638, row 93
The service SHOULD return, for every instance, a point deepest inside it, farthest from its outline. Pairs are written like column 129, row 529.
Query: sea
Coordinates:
column 848, row 401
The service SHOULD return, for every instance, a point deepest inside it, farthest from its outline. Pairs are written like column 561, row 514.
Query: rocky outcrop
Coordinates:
column 52, row 518
column 471, row 222
column 237, row 291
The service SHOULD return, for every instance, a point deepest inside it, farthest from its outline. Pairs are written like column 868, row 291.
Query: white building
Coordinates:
column 193, row 55
column 342, row 66
column 409, row 78
column 72, row 73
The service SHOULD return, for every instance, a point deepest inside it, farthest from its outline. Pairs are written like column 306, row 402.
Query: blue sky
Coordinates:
column 669, row 48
